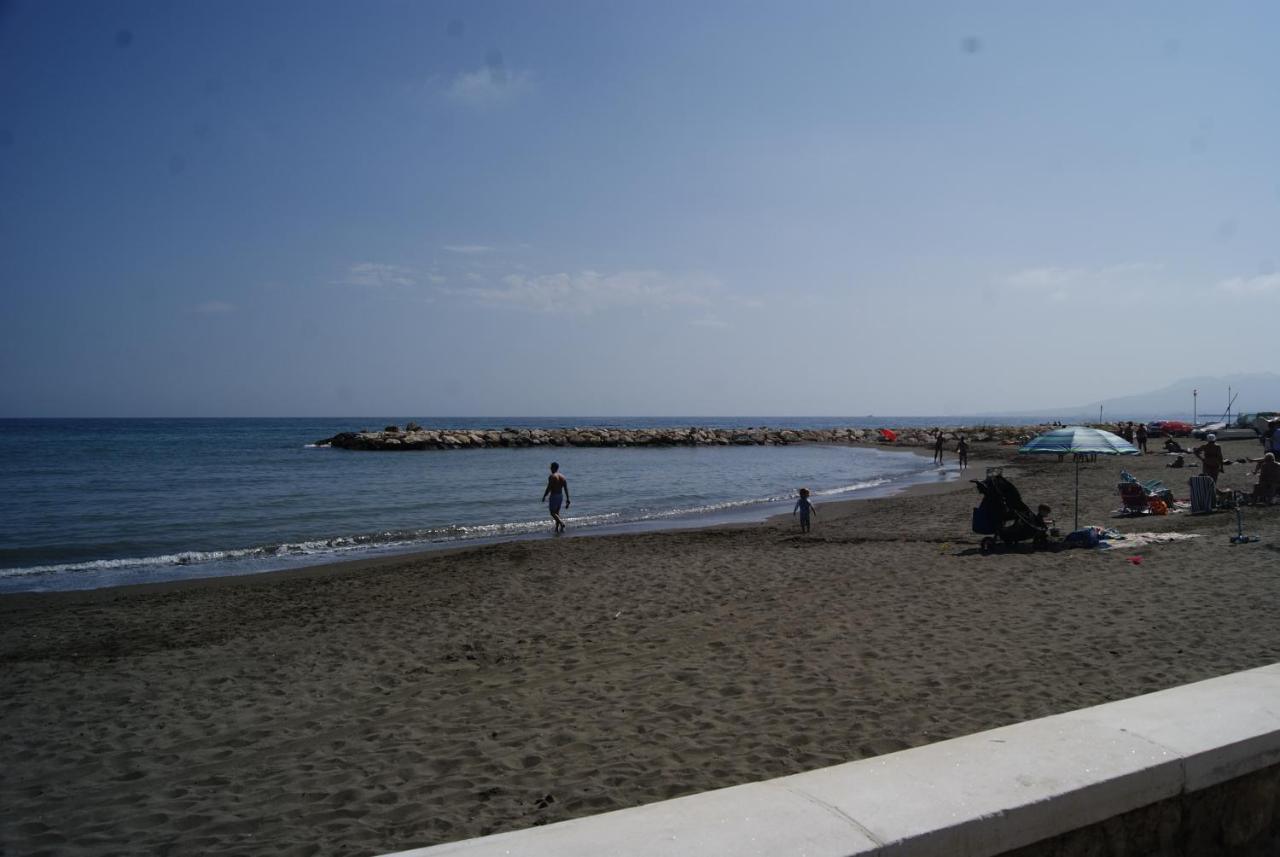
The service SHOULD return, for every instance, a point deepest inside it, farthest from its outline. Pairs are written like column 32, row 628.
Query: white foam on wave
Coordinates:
column 408, row 539
column 849, row 489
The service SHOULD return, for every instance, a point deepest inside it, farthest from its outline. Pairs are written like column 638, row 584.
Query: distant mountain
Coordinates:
column 1258, row 391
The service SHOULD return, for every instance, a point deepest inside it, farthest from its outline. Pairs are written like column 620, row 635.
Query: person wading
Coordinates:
column 557, row 491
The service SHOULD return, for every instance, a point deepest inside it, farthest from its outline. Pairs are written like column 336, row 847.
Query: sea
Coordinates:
column 88, row 503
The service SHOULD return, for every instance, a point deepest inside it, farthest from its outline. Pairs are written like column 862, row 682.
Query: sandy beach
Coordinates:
column 382, row 705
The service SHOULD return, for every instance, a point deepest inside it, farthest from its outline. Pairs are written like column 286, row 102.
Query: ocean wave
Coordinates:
column 393, row 540
column 849, row 489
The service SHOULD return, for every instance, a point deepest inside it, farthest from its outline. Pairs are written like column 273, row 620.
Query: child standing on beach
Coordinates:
column 805, row 508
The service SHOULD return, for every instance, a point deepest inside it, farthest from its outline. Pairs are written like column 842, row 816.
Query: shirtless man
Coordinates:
column 557, row 489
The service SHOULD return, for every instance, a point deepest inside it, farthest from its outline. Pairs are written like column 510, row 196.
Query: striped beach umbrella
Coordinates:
column 1078, row 441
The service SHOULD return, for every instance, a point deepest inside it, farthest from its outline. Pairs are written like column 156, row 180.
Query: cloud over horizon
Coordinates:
column 378, row 275
column 1063, row 284
column 1261, row 284
column 590, row 291
column 492, row 83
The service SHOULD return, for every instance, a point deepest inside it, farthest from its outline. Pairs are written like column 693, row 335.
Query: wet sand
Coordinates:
column 381, row 705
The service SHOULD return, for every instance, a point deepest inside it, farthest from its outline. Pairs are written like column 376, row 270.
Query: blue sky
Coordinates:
column 244, row 209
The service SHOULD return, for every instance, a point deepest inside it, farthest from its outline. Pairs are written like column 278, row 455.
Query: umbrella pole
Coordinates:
column 1077, row 526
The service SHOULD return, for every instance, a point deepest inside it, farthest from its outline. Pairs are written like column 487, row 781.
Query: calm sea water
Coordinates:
column 89, row 503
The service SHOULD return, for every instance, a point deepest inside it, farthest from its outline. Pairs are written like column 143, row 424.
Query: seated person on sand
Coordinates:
column 1044, row 523
column 1172, row 445
column 1268, row 470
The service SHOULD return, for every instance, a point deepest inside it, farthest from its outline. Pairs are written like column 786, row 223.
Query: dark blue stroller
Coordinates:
column 1003, row 516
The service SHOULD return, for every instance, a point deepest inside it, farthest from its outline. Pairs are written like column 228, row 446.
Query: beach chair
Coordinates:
column 1153, row 487
column 1203, row 494
column 1135, row 498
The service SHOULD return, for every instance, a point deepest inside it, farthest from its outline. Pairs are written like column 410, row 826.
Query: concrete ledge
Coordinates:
column 979, row 795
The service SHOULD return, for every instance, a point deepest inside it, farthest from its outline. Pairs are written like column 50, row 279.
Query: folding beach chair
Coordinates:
column 1203, row 494
column 1153, row 487
column 1135, row 498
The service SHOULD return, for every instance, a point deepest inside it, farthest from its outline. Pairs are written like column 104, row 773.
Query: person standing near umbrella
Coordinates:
column 1210, row 454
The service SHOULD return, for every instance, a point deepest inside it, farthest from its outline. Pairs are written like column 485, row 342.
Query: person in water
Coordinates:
column 938, row 442
column 557, row 491
column 962, row 450
column 804, row 508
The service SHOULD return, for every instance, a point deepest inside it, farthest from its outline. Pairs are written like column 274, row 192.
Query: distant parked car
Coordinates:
column 1258, row 422
column 1173, row 428
column 1223, row 431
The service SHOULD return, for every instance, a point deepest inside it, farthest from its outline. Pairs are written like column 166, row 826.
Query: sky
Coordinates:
column 626, row 208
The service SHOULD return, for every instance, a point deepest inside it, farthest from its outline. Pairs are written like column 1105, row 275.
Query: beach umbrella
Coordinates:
column 1078, row 441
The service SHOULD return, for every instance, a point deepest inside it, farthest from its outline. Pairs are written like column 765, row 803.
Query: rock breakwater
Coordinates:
column 413, row 437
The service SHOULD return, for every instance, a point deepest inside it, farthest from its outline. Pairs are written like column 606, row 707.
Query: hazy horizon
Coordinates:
column 827, row 208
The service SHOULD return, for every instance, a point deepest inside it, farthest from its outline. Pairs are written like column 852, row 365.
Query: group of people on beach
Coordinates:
column 556, row 495
column 1213, row 461
column 939, row 447
column 1136, row 434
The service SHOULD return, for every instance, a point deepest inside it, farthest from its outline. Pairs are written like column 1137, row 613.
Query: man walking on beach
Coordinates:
column 557, row 490
column 937, row 448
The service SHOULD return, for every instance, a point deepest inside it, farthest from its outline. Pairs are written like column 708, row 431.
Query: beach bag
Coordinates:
column 1086, row 537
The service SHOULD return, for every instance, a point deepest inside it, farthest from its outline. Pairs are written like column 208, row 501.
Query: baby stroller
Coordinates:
column 1002, row 515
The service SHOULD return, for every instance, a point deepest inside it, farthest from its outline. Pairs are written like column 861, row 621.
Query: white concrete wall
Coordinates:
column 978, row 795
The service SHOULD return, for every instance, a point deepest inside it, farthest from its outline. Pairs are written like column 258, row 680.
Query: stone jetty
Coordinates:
column 413, row 437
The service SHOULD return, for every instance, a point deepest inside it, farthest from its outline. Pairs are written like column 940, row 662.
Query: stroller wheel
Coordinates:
column 987, row 545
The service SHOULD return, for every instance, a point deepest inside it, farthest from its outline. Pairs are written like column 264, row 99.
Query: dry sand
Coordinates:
column 377, row 706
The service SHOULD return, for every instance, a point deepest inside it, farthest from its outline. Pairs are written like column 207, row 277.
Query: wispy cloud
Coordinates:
column 709, row 322
column 492, row 83
column 214, row 308
column 1261, row 284
column 591, row 291
column 1064, row 284
column 469, row 249
column 378, row 275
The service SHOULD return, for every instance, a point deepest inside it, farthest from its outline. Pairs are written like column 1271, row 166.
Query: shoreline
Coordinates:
column 922, row 486
column 375, row 707
column 744, row 516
